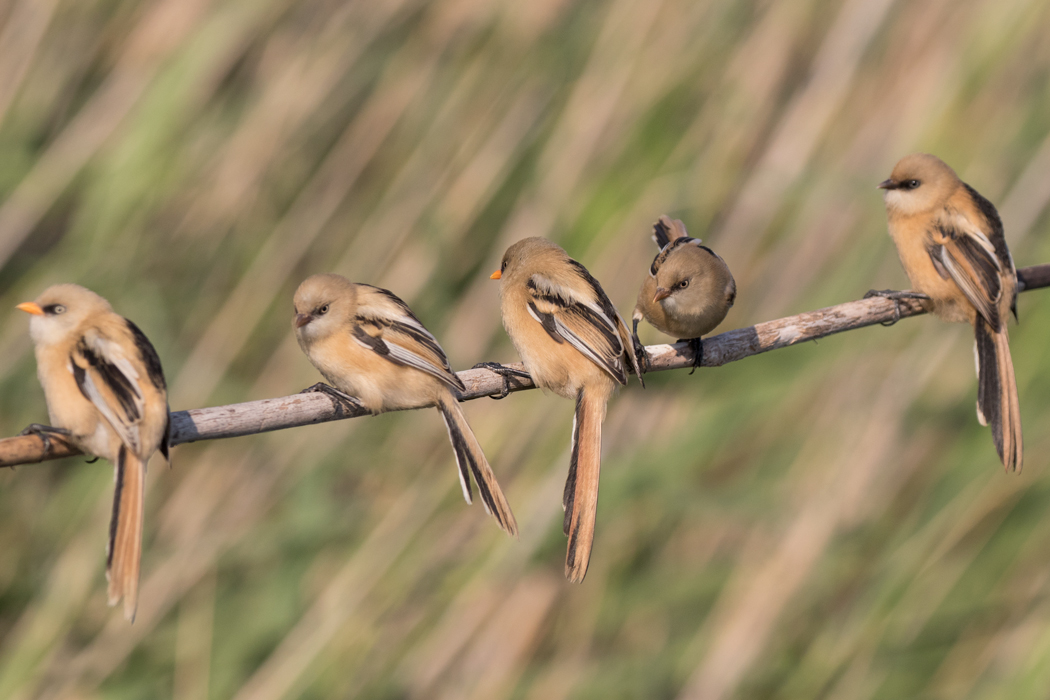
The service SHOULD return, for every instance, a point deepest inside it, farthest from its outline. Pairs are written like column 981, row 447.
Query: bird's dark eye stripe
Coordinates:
column 53, row 309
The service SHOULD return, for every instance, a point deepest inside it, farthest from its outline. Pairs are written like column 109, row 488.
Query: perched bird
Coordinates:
column 688, row 291
column 573, row 342
column 379, row 357
column 950, row 241
column 106, row 395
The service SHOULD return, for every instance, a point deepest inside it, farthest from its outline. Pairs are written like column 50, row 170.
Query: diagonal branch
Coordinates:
column 307, row 409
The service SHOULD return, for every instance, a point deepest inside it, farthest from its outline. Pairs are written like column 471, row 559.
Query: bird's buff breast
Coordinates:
column 68, row 408
column 381, row 385
column 559, row 367
column 912, row 247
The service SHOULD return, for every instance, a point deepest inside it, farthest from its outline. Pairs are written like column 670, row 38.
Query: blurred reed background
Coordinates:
column 826, row 521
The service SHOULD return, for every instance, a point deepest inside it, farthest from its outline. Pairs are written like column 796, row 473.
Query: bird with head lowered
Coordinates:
column 687, row 293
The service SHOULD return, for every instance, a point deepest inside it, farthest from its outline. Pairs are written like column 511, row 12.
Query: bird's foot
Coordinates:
column 697, row 346
column 506, row 373
column 894, row 296
column 351, row 404
column 44, row 432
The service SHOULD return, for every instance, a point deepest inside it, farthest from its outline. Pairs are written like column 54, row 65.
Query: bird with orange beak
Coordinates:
column 574, row 343
column 951, row 244
column 106, row 395
column 687, row 293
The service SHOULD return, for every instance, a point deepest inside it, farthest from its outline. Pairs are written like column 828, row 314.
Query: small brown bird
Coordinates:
column 951, row 244
column 688, row 292
column 379, row 357
column 106, row 395
column 573, row 342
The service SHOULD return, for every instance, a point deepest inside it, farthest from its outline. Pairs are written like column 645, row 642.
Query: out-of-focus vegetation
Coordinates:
column 827, row 521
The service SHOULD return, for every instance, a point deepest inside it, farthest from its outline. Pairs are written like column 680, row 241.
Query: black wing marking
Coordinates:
column 995, row 226
column 372, row 341
column 599, row 293
column 547, row 321
column 390, row 296
column 592, row 331
column 149, row 356
column 125, row 391
column 935, row 257
column 437, row 365
column 613, row 316
column 997, row 236
column 973, row 268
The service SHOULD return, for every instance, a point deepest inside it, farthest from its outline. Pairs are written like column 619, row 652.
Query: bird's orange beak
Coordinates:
column 661, row 294
column 301, row 320
column 31, row 307
column 498, row 274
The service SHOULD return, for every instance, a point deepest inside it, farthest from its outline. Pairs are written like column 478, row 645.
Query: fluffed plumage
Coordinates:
column 951, row 244
column 688, row 291
column 106, row 395
column 367, row 343
column 574, row 343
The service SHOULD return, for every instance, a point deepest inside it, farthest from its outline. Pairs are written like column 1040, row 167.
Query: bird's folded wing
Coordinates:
column 967, row 256
column 109, row 378
column 582, row 317
column 385, row 325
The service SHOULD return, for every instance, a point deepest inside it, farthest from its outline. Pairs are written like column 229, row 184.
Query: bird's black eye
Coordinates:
column 54, row 309
column 683, row 284
column 503, row 266
column 323, row 310
column 911, row 184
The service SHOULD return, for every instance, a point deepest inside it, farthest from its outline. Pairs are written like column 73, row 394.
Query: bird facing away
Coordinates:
column 951, row 244
column 375, row 352
column 688, row 291
column 573, row 342
column 106, row 395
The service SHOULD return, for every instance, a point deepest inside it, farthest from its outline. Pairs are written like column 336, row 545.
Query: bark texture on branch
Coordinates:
column 307, row 409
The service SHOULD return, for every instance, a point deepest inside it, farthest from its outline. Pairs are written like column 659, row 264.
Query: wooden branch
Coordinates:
column 307, row 409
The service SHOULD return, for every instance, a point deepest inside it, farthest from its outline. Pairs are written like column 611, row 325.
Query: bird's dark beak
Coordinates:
column 890, row 184
column 31, row 308
column 661, row 294
column 302, row 319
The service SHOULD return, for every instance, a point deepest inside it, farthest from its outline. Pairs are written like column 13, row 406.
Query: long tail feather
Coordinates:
column 997, row 402
column 125, row 532
column 581, row 488
column 471, row 460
